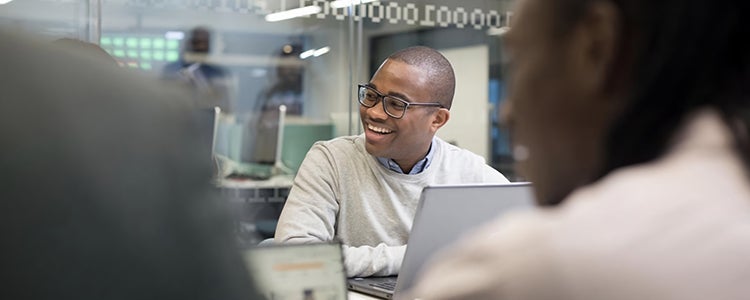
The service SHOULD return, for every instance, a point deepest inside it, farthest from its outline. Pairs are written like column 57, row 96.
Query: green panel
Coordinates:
column 132, row 42
column 132, row 54
column 172, row 44
column 298, row 138
column 118, row 42
column 119, row 53
column 105, row 41
column 146, row 54
column 172, row 56
column 145, row 43
column 158, row 55
column 158, row 43
column 146, row 66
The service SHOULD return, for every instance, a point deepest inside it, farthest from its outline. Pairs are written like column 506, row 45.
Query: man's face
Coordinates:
column 404, row 140
column 557, row 117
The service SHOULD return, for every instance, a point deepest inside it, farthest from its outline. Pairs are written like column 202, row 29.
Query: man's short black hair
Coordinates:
column 438, row 69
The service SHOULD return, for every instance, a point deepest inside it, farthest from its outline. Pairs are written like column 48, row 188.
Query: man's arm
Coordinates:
column 310, row 211
column 310, row 216
column 382, row 260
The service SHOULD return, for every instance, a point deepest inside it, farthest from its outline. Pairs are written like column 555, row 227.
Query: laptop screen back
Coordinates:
column 301, row 271
column 445, row 213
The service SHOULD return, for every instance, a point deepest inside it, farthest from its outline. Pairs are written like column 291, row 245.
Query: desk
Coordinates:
column 352, row 295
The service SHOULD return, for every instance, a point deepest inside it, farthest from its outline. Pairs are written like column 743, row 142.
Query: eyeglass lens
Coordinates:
column 393, row 107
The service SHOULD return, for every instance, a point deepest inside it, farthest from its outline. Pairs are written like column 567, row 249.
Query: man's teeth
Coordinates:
column 378, row 129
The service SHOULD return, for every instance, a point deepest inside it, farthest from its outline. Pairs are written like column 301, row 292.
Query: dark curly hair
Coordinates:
column 682, row 55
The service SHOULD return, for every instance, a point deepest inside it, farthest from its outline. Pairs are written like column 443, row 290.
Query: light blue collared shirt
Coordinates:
column 418, row 167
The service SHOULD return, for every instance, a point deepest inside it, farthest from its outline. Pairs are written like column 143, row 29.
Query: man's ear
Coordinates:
column 440, row 118
column 596, row 42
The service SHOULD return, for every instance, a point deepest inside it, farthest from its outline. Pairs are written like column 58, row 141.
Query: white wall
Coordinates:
column 469, row 124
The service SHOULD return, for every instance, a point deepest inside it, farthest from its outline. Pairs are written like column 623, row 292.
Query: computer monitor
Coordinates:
column 260, row 145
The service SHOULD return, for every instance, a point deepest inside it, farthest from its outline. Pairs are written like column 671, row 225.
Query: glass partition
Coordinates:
column 250, row 57
column 52, row 19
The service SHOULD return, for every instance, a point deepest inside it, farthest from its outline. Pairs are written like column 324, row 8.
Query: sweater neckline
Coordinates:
column 375, row 164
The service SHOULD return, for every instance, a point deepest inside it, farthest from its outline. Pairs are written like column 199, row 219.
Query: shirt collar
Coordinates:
column 418, row 167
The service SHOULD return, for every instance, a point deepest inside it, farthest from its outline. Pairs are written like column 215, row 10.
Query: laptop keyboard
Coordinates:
column 387, row 285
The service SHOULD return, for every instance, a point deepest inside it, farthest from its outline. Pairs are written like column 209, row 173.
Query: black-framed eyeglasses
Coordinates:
column 392, row 105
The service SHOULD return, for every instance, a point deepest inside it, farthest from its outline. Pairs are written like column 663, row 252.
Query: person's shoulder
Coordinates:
column 343, row 145
column 342, row 152
column 451, row 152
column 214, row 70
column 173, row 66
column 347, row 142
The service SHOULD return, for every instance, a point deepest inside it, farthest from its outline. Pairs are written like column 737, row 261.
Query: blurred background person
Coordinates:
column 212, row 84
column 286, row 86
column 105, row 192
column 632, row 117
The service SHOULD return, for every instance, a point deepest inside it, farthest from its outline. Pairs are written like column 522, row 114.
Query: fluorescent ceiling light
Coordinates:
column 346, row 3
column 5, row 1
column 307, row 54
column 321, row 51
column 314, row 52
column 293, row 13
column 172, row 35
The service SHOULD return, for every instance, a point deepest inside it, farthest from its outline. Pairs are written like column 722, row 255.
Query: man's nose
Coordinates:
column 377, row 112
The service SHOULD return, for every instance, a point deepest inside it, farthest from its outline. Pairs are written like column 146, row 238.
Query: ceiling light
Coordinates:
column 293, row 13
column 321, row 51
column 307, row 54
column 172, row 35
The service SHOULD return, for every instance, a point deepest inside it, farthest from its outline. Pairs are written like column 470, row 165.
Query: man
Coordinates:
column 105, row 192
column 633, row 114
column 363, row 190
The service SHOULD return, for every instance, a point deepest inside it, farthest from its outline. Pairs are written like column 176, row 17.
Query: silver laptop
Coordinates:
column 444, row 214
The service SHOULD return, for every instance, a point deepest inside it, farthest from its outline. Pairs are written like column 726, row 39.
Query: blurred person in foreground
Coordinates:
column 104, row 195
column 632, row 118
column 363, row 190
column 91, row 50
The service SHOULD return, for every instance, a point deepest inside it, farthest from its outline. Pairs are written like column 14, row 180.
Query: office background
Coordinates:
column 315, row 60
column 148, row 34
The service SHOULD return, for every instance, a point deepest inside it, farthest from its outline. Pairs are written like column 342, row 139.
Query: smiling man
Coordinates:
column 363, row 190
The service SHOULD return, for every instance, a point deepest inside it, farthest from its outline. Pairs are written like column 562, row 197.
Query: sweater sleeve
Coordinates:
column 381, row 260
column 309, row 214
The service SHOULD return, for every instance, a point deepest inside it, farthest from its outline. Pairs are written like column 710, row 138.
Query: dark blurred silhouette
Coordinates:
column 286, row 87
column 104, row 193
column 631, row 118
column 211, row 83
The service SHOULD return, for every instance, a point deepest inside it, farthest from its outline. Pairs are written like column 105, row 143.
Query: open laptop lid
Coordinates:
column 298, row 271
column 445, row 213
